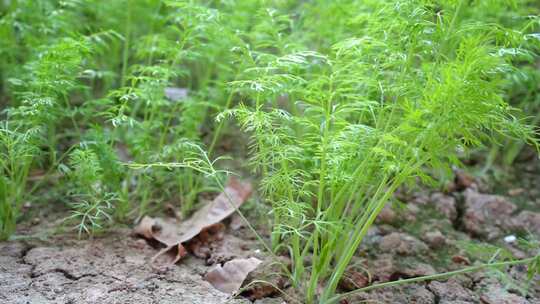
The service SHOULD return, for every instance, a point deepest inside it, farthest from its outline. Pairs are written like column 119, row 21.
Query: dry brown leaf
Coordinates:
column 237, row 222
column 353, row 280
column 229, row 277
column 169, row 255
column 267, row 280
column 200, row 245
column 205, row 221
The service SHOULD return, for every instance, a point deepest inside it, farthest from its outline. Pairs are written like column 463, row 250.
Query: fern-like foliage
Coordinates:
column 17, row 153
column 91, row 198
column 381, row 110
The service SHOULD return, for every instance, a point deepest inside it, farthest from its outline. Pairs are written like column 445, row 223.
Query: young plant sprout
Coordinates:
column 380, row 111
column 17, row 152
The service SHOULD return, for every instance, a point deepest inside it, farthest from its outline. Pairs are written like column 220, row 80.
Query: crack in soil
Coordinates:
column 460, row 210
column 23, row 260
column 124, row 287
column 64, row 272
column 436, row 297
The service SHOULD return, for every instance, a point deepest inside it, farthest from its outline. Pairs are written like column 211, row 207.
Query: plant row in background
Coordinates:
column 344, row 102
column 85, row 79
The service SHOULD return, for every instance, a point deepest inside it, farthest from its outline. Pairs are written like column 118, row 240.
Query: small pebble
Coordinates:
column 459, row 259
column 510, row 239
column 435, row 239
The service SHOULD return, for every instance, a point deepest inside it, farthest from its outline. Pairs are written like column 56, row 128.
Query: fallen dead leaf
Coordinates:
column 172, row 211
column 200, row 245
column 353, row 280
column 169, row 255
column 204, row 222
column 237, row 222
column 229, row 277
column 267, row 280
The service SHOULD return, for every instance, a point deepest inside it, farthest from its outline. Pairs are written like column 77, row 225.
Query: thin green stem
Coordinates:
column 438, row 276
column 125, row 51
column 221, row 124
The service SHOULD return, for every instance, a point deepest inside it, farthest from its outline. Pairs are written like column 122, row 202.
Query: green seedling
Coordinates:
column 383, row 110
column 17, row 153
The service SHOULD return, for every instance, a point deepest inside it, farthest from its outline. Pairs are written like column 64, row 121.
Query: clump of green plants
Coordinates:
column 344, row 102
column 90, row 198
column 42, row 95
column 522, row 23
column 17, row 153
column 79, row 68
column 197, row 52
column 382, row 110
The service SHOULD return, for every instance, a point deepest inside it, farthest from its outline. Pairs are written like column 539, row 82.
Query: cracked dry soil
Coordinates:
column 114, row 269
